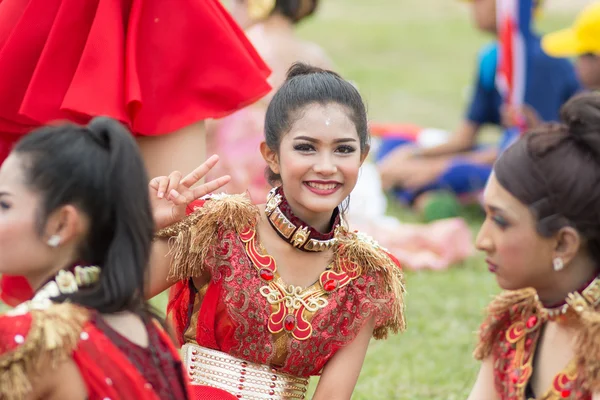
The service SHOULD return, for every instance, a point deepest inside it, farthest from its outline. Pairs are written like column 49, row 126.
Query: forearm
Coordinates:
column 450, row 148
column 486, row 156
column 160, row 264
column 462, row 140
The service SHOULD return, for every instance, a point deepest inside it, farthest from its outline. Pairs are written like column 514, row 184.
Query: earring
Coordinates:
column 54, row 241
column 558, row 264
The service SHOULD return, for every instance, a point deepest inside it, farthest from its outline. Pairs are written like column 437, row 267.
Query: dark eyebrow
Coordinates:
column 499, row 210
column 4, row 194
column 495, row 208
column 313, row 140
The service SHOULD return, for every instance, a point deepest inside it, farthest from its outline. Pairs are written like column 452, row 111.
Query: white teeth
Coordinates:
column 322, row 186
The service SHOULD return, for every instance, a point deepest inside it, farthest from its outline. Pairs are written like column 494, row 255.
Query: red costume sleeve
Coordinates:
column 14, row 290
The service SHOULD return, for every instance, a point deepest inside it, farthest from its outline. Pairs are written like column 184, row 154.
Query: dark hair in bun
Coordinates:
column 306, row 85
column 295, row 10
column 555, row 170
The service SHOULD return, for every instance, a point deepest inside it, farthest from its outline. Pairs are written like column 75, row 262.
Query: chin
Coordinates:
column 506, row 284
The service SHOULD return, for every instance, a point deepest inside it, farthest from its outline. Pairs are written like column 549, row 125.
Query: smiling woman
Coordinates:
column 282, row 289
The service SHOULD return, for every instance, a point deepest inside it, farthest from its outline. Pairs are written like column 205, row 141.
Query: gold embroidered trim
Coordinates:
column 196, row 237
column 53, row 336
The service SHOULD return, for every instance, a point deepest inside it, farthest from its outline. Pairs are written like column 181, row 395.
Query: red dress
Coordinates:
column 510, row 335
column 155, row 65
column 111, row 366
column 234, row 314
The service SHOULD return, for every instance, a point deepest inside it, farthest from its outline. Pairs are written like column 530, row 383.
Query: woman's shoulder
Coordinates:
column 33, row 337
column 216, row 212
column 378, row 273
column 502, row 312
column 198, row 237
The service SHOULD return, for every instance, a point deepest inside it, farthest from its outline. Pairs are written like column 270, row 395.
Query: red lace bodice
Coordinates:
column 514, row 335
column 233, row 313
column 156, row 363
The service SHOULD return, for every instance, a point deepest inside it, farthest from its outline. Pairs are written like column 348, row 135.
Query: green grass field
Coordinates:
column 413, row 61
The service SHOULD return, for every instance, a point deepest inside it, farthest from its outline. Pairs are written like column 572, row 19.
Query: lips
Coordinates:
column 491, row 266
column 323, row 188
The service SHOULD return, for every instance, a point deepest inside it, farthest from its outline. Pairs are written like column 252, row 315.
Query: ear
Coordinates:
column 67, row 222
column 568, row 244
column 271, row 157
column 364, row 154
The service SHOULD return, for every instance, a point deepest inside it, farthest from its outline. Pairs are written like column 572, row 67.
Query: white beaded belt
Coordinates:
column 241, row 378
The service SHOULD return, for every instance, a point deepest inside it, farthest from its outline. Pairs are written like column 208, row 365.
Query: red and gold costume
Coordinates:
column 39, row 335
column 511, row 332
column 250, row 333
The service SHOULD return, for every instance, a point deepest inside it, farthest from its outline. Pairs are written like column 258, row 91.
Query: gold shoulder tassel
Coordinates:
column 196, row 237
column 368, row 256
column 497, row 313
column 52, row 338
column 587, row 348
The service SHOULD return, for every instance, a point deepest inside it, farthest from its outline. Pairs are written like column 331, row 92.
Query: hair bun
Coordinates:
column 581, row 115
column 300, row 68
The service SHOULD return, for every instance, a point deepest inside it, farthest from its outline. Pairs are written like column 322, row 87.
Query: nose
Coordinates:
column 325, row 165
column 483, row 241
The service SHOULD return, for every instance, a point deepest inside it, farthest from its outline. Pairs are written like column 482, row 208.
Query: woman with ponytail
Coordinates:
column 159, row 68
column 266, row 296
column 76, row 222
column 541, row 338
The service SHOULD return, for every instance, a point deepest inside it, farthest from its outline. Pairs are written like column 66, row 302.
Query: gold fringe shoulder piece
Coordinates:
column 52, row 337
column 196, row 237
column 368, row 257
column 587, row 348
column 500, row 313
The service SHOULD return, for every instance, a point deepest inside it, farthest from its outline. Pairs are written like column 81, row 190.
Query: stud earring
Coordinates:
column 54, row 241
column 558, row 264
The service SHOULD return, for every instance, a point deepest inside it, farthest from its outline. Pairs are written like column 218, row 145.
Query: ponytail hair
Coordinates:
column 98, row 169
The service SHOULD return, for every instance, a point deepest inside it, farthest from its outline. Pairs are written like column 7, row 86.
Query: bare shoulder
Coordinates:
column 64, row 383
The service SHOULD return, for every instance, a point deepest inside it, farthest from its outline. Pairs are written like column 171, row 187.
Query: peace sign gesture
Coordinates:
column 176, row 193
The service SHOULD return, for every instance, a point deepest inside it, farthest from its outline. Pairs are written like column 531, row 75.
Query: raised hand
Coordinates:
column 176, row 192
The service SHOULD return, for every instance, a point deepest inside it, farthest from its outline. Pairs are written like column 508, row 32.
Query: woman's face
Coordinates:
column 22, row 250
column 516, row 253
column 318, row 161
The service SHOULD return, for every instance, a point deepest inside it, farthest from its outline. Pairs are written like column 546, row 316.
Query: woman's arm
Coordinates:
column 341, row 371
column 172, row 195
column 62, row 383
column 160, row 263
column 484, row 386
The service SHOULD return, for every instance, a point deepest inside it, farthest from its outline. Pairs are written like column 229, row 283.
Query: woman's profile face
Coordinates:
column 515, row 252
column 22, row 250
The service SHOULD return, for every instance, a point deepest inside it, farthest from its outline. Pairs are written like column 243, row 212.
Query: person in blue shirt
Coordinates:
column 423, row 176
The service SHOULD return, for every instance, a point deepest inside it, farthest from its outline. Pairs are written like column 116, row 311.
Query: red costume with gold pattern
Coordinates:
column 40, row 335
column 511, row 332
column 248, row 312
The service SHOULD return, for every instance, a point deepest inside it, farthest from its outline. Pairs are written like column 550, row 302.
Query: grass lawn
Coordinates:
column 413, row 60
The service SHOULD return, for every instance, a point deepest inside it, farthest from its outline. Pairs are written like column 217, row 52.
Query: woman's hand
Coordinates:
column 175, row 193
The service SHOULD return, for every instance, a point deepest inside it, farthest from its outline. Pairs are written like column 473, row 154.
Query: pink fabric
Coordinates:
column 436, row 245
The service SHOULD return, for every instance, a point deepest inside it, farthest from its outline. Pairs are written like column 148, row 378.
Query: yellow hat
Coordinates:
column 583, row 37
